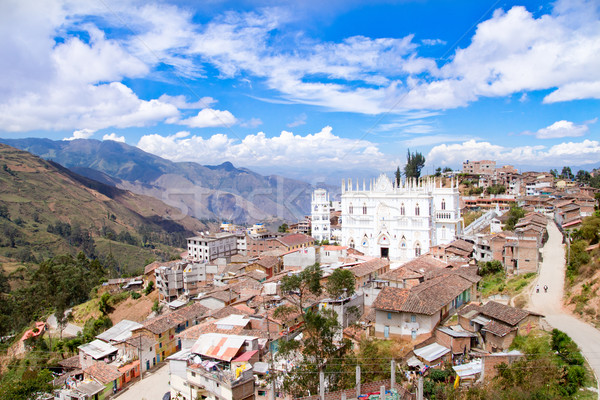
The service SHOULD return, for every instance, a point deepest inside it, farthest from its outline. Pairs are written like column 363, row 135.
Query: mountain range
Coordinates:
column 47, row 210
column 221, row 192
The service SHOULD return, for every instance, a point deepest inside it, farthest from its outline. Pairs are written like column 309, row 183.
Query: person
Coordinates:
column 537, row 288
column 546, row 288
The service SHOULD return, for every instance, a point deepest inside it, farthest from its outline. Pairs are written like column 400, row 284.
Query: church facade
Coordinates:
column 399, row 222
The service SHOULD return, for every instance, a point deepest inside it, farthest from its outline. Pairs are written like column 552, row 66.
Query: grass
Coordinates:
column 499, row 284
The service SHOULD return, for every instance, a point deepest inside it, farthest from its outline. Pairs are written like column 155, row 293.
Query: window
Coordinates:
column 350, row 209
column 402, row 210
column 417, row 250
column 443, row 204
column 364, row 209
column 159, row 335
column 413, row 335
column 193, row 374
column 413, row 318
column 160, row 345
column 417, row 210
column 389, row 315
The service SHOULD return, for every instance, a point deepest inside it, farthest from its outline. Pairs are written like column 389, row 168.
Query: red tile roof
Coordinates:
column 103, row 372
column 295, row 239
column 369, row 267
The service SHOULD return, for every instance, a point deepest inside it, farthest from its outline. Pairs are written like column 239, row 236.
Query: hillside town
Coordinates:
column 411, row 270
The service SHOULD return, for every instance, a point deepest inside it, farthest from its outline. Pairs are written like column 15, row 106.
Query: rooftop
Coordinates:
column 103, row 372
column 119, row 332
column 98, row 349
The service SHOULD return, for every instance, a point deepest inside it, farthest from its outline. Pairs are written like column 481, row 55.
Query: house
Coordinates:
column 498, row 324
column 79, row 390
column 457, row 248
column 218, row 299
column 415, row 313
column 270, row 265
column 458, row 341
column 348, row 309
column 300, row 258
column 107, row 375
column 257, row 245
column 163, row 328
column 369, row 270
column 331, row 254
column 95, row 351
column 217, row 367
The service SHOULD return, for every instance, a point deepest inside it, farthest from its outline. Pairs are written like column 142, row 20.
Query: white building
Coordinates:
column 210, row 247
column 321, row 226
column 399, row 222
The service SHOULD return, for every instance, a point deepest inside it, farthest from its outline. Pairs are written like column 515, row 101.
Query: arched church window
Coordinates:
column 351, row 243
column 402, row 210
column 364, row 208
column 417, row 210
column 443, row 204
column 417, row 250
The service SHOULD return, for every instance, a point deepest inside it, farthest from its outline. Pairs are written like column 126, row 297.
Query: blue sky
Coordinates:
column 309, row 89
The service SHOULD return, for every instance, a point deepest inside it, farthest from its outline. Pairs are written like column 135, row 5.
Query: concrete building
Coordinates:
column 483, row 167
column 399, row 222
column 320, row 213
column 210, row 247
column 183, row 278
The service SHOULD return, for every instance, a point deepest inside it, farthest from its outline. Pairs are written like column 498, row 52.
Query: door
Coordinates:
column 385, row 252
column 147, row 365
column 386, row 331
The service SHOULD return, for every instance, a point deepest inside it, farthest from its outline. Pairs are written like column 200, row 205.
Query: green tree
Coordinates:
column 514, row 215
column 566, row 173
column 496, row 189
column 583, row 176
column 4, row 213
column 283, row 227
column 554, row 173
column 29, row 388
column 149, row 288
column 398, row 176
column 590, row 229
column 438, row 171
column 447, row 169
column 341, row 282
column 103, row 305
column 414, row 163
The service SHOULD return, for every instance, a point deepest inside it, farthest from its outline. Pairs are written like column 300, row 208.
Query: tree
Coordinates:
column 4, row 213
column 496, row 189
column 583, row 176
column 283, row 227
column 447, row 169
column 341, row 282
column 414, row 163
column 398, row 176
column 514, row 215
column 438, row 171
column 103, row 305
column 317, row 345
column 566, row 173
column 554, row 173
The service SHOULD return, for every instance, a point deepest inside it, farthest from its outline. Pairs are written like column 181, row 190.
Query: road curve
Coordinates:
column 552, row 273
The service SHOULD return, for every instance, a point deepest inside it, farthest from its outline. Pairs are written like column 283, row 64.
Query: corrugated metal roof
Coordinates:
column 219, row 346
column 472, row 368
column 120, row 331
column 98, row 349
column 431, row 352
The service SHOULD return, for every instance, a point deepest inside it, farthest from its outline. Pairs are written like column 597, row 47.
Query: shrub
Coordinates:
column 135, row 295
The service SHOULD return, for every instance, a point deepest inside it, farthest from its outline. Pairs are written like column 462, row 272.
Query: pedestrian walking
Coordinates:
column 537, row 288
column 546, row 288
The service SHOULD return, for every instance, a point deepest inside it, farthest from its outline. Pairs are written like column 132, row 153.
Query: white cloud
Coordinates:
column 182, row 103
column 299, row 121
column 433, row 42
column 561, row 129
column 81, row 134
column 567, row 153
column 208, row 117
column 113, row 136
column 322, row 149
column 251, row 123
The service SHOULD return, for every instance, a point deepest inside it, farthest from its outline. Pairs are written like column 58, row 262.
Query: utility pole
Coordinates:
column 140, row 358
column 358, row 393
column 322, row 385
column 393, row 377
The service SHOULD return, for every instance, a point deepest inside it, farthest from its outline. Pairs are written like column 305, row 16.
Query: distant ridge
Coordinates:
column 219, row 192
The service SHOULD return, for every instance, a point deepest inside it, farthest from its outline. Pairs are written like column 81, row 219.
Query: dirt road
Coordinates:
column 552, row 273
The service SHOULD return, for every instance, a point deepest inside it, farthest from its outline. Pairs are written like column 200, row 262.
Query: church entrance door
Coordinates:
column 385, row 252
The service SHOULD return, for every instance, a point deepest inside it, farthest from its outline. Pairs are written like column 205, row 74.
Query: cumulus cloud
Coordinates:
column 182, row 103
column 251, row 123
column 81, row 134
column 209, row 118
column 322, row 149
column 114, row 137
column 561, row 129
column 574, row 153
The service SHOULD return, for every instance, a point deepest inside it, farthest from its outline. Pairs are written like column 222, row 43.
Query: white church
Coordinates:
column 399, row 222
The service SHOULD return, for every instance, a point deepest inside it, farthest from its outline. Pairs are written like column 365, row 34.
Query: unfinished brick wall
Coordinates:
column 365, row 388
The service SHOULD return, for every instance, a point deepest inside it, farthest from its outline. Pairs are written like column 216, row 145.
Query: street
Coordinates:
column 552, row 273
column 153, row 387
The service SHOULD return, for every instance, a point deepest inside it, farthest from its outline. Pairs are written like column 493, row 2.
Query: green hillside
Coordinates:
column 47, row 210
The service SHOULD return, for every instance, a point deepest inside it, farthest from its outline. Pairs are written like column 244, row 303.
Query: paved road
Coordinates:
column 69, row 331
column 153, row 387
column 552, row 273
